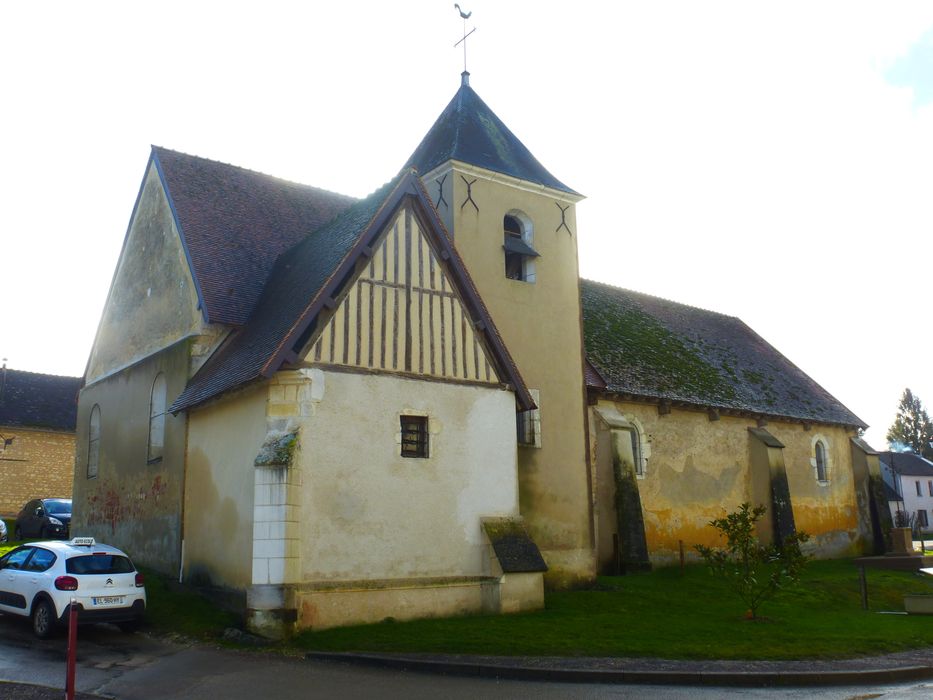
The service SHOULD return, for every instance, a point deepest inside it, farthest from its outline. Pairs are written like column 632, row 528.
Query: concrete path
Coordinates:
column 138, row 667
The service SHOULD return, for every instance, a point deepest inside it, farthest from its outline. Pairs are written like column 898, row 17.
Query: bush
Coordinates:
column 756, row 572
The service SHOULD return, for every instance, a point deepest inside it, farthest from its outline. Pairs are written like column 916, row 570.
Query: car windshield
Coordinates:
column 57, row 506
column 99, row 564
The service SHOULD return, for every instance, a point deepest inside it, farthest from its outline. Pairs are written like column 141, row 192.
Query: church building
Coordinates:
column 410, row 405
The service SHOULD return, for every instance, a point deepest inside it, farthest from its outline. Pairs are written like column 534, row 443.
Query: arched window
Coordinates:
column 518, row 237
column 819, row 460
column 157, row 418
column 93, row 442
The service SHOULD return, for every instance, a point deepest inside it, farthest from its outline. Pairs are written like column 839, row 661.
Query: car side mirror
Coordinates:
column 39, row 513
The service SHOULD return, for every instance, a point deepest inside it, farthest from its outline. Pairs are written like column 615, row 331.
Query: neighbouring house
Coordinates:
column 37, row 437
column 350, row 410
column 910, row 477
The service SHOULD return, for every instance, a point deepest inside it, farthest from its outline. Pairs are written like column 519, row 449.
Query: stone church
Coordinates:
column 410, row 405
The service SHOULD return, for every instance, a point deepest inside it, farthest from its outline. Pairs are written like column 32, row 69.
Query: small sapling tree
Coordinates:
column 756, row 572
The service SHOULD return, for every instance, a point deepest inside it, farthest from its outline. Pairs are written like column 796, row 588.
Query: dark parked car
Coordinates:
column 48, row 518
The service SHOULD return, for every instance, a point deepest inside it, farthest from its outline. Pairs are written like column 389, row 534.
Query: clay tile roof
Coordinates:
column 651, row 347
column 469, row 131
column 295, row 280
column 31, row 400
column 235, row 223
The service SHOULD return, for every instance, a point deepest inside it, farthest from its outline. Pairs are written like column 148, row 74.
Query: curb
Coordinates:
column 643, row 677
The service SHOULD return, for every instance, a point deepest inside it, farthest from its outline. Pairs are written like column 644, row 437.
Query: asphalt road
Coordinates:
column 136, row 667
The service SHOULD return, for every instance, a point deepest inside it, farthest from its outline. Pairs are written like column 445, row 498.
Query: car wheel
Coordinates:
column 43, row 533
column 43, row 619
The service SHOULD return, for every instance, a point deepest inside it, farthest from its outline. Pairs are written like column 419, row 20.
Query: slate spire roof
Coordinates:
column 469, row 131
column 645, row 346
column 32, row 400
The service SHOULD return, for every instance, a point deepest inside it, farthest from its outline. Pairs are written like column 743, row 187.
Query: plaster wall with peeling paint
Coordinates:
column 133, row 502
column 540, row 323
column 699, row 469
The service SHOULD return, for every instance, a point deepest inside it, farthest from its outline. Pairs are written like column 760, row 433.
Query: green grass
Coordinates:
column 666, row 614
column 178, row 610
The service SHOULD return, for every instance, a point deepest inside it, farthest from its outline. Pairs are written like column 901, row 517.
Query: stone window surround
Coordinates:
column 821, row 439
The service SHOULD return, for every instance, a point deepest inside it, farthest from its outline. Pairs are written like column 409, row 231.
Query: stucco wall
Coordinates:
column 133, row 503
column 223, row 440
column 699, row 469
column 370, row 513
column 540, row 323
column 37, row 464
column 153, row 301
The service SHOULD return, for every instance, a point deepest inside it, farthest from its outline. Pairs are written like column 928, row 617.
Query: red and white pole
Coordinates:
column 72, row 650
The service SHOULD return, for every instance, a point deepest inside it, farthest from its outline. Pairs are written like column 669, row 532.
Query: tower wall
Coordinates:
column 541, row 325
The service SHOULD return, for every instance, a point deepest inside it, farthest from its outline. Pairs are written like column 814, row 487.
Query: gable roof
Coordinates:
column 32, row 400
column 650, row 347
column 309, row 276
column 469, row 131
column 234, row 223
column 907, row 463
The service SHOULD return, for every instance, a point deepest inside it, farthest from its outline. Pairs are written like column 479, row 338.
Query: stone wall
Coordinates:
column 37, row 464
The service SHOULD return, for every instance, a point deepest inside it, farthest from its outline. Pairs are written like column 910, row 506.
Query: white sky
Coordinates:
column 767, row 160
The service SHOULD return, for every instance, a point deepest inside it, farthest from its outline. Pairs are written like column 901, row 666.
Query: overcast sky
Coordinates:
column 771, row 161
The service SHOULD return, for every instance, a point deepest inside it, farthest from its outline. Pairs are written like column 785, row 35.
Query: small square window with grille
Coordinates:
column 414, row 436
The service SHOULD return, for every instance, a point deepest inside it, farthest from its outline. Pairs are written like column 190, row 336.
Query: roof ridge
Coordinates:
column 283, row 180
column 660, row 298
column 43, row 374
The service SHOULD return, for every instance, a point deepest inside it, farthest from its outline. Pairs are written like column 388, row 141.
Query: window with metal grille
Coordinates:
column 922, row 520
column 414, row 436
column 528, row 423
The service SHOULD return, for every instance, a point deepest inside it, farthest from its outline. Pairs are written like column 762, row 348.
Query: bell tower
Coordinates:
column 514, row 225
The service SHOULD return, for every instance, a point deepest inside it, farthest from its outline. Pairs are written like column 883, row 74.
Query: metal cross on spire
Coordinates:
column 465, row 16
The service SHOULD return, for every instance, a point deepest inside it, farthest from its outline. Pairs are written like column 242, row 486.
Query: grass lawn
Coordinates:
column 666, row 614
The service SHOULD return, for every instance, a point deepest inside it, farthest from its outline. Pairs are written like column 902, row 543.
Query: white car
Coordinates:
column 41, row 580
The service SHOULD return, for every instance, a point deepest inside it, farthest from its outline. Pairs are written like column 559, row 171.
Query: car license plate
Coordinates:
column 108, row 600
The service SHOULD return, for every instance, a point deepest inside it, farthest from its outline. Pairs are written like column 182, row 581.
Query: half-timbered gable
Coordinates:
column 405, row 314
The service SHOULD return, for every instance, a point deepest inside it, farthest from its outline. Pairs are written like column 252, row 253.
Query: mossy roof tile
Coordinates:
column 651, row 347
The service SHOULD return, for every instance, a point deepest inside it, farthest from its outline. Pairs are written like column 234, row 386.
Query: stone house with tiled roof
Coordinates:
column 393, row 407
column 37, row 437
